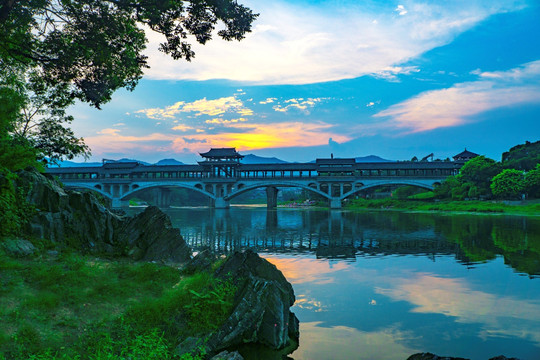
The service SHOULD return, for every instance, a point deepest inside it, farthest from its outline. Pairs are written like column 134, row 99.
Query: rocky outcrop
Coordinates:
column 262, row 305
column 80, row 220
column 150, row 236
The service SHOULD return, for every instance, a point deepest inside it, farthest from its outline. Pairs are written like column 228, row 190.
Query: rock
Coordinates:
column 430, row 356
column 225, row 355
column 78, row 219
column 154, row 238
column 18, row 247
column 201, row 262
column 191, row 346
column 262, row 305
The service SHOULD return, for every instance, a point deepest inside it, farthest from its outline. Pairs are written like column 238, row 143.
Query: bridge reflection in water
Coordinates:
column 347, row 235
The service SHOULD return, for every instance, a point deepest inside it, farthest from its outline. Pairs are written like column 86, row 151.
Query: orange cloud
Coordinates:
column 298, row 270
column 260, row 136
column 199, row 107
column 111, row 140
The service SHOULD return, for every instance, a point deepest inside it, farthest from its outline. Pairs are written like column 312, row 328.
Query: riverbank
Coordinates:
column 66, row 305
column 472, row 206
column 71, row 306
column 80, row 282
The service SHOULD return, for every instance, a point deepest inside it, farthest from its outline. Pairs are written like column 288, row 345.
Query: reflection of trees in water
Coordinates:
column 336, row 234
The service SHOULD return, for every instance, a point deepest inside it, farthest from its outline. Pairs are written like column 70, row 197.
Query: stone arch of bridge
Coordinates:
column 386, row 183
column 92, row 187
column 168, row 185
column 245, row 188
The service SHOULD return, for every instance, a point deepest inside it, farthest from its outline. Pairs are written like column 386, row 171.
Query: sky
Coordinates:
column 396, row 79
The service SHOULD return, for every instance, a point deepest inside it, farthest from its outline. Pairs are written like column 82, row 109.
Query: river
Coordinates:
column 384, row 285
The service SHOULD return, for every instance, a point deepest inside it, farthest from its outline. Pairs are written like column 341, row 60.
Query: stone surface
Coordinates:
column 225, row 355
column 18, row 247
column 262, row 305
column 430, row 356
column 78, row 219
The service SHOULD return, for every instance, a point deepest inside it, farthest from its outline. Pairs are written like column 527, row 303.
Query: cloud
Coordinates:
column 183, row 128
column 298, row 104
column 268, row 101
column 452, row 297
column 307, row 43
column 458, row 104
column 213, row 107
column 224, row 122
column 401, row 10
column 260, row 136
column 113, row 141
column 320, row 342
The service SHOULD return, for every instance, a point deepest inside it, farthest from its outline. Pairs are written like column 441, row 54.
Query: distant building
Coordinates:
column 464, row 156
column 221, row 162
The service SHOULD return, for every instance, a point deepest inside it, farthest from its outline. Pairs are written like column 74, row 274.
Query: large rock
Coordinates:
column 79, row 220
column 151, row 236
column 262, row 305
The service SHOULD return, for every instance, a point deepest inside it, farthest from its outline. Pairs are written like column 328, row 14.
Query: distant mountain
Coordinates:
column 370, row 159
column 68, row 163
column 254, row 159
column 169, row 162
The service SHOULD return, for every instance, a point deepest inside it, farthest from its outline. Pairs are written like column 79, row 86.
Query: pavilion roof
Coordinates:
column 222, row 153
column 466, row 154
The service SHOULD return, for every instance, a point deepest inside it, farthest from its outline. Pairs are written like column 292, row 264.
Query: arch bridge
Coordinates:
column 221, row 177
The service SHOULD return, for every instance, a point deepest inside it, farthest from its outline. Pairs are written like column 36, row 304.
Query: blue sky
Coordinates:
column 353, row 78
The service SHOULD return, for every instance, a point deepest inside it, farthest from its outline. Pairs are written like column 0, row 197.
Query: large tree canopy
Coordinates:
column 94, row 47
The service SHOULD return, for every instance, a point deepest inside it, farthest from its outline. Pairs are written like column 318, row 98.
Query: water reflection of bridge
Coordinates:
column 330, row 235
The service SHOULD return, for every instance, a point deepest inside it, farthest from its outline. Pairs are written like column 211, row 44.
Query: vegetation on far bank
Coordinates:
column 72, row 306
column 471, row 206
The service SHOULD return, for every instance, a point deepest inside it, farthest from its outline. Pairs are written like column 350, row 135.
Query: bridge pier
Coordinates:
column 335, row 203
column 163, row 198
column 116, row 203
column 271, row 197
column 221, row 203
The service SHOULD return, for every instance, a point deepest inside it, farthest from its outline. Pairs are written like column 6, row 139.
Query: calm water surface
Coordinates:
column 385, row 285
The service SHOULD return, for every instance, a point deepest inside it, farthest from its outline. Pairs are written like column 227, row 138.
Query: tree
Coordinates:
column 55, row 51
column 479, row 171
column 532, row 182
column 522, row 157
column 90, row 48
column 508, row 184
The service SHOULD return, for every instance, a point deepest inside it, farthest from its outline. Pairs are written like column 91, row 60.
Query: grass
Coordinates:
column 72, row 306
column 446, row 206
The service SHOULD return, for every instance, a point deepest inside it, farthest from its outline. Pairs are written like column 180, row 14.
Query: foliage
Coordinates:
column 532, row 182
column 478, row 172
column 13, row 156
column 78, row 307
column 89, row 49
column 403, row 192
column 14, row 209
column 427, row 195
column 42, row 122
column 446, row 206
column 508, row 184
column 522, row 157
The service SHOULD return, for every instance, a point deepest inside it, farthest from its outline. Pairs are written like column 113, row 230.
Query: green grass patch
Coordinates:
column 445, row 206
column 80, row 307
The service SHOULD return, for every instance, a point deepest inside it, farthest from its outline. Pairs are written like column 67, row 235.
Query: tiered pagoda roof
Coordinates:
column 222, row 153
column 465, row 155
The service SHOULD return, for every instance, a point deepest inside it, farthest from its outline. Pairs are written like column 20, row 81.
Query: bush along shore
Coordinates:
column 80, row 282
column 470, row 206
